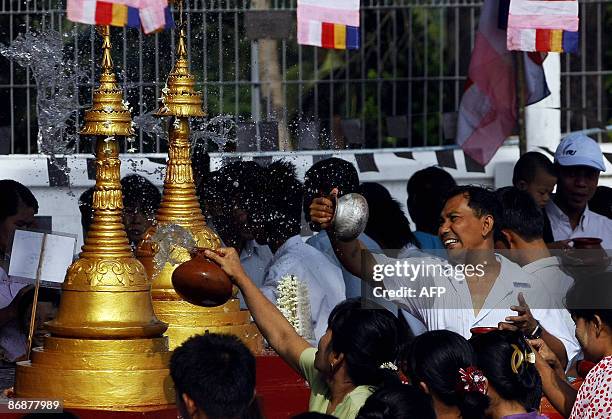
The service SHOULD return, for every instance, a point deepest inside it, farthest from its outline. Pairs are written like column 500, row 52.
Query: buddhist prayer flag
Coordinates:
column 328, row 24
column 151, row 15
column 489, row 109
column 543, row 25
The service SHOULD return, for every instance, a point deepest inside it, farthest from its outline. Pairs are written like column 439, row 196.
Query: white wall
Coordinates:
column 392, row 171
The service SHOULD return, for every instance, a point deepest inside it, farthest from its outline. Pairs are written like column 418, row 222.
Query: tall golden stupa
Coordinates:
column 106, row 348
column 180, row 206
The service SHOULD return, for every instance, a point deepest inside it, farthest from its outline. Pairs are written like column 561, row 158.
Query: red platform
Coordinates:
column 282, row 393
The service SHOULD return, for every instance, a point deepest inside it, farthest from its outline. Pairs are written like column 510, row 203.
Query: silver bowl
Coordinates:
column 350, row 217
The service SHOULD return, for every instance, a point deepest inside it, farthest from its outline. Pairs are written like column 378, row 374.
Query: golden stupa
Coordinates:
column 180, row 206
column 106, row 348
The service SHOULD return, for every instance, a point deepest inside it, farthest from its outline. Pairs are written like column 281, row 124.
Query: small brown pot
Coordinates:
column 201, row 281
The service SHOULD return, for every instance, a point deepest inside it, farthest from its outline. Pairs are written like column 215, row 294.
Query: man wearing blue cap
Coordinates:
column 578, row 161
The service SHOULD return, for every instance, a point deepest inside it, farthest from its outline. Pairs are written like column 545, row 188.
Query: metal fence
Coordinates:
column 394, row 91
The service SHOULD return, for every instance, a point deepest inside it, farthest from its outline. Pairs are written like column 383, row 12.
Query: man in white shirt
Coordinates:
column 579, row 161
column 520, row 233
column 276, row 221
column 484, row 295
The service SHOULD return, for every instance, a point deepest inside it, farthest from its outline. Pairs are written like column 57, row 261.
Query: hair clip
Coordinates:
column 518, row 357
column 472, row 380
column 388, row 366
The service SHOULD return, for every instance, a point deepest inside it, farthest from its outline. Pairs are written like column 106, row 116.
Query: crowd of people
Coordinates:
column 496, row 340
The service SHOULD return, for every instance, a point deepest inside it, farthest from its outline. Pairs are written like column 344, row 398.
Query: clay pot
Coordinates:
column 201, row 281
column 481, row 330
column 587, row 243
column 587, row 257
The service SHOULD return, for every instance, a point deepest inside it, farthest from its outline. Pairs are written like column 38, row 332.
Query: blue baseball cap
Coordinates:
column 579, row 150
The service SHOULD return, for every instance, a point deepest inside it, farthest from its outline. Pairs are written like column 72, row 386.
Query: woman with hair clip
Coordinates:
column 514, row 385
column 589, row 301
column 354, row 357
column 442, row 364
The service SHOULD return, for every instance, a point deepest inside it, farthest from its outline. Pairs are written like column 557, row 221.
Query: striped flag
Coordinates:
column 329, row 24
column 151, row 15
column 488, row 110
column 543, row 25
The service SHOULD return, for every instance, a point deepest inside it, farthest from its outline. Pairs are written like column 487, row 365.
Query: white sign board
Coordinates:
column 57, row 256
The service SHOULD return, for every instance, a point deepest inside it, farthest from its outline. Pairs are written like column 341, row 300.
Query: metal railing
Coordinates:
column 392, row 92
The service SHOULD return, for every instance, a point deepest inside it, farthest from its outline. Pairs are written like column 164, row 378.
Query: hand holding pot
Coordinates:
column 201, row 281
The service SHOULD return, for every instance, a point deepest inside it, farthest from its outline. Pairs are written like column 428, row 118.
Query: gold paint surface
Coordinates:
column 179, row 97
column 180, row 205
column 106, row 348
column 172, row 307
column 214, row 319
column 96, row 386
column 108, row 115
column 106, row 293
column 111, row 361
column 247, row 333
column 124, row 346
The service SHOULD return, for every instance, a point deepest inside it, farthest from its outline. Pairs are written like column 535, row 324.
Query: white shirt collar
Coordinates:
column 542, row 264
column 553, row 211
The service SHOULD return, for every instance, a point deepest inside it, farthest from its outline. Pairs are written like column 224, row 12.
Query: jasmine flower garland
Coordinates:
column 293, row 301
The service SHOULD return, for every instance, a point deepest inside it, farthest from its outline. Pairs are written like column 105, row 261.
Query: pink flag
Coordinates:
column 488, row 109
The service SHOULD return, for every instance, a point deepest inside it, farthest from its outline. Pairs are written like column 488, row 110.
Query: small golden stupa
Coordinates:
column 106, row 348
column 180, row 206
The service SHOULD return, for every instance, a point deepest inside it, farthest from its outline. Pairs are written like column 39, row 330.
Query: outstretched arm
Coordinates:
column 270, row 321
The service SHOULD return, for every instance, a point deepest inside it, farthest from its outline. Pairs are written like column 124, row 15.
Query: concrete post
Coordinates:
column 543, row 119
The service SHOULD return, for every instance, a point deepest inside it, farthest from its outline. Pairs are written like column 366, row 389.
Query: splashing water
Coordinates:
column 57, row 79
column 150, row 124
column 173, row 241
column 221, row 129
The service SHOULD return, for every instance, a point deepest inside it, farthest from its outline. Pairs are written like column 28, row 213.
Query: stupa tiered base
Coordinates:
column 185, row 320
column 281, row 393
column 106, row 349
column 180, row 206
column 98, row 374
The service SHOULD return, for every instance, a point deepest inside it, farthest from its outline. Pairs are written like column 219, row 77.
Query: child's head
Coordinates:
column 535, row 174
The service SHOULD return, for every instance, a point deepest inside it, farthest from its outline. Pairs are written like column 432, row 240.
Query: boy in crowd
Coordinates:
column 214, row 377
column 520, row 232
column 535, row 174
